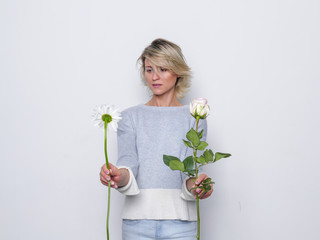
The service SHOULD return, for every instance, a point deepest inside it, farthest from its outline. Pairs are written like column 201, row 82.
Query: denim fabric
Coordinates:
column 158, row 229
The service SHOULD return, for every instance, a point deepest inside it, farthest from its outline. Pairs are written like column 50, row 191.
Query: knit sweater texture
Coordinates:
column 154, row 191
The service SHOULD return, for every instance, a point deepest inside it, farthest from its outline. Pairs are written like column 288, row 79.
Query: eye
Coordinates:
column 149, row 70
column 163, row 69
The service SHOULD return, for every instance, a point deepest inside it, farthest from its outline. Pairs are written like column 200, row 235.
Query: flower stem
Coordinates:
column 197, row 124
column 108, row 213
column 197, row 196
column 198, row 215
column 109, row 185
column 105, row 143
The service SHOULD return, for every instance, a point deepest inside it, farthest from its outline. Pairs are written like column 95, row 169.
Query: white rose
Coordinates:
column 199, row 108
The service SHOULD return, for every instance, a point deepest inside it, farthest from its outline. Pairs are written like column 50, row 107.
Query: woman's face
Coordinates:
column 160, row 82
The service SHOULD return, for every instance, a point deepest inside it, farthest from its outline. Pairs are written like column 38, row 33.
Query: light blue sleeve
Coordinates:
column 127, row 150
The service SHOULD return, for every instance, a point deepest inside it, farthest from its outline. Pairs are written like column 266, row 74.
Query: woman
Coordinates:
column 158, row 202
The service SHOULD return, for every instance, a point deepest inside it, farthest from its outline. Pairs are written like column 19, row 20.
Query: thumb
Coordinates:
column 114, row 171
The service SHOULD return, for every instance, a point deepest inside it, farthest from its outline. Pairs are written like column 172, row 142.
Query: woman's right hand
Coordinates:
column 117, row 177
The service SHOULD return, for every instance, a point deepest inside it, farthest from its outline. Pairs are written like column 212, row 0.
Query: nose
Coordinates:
column 155, row 76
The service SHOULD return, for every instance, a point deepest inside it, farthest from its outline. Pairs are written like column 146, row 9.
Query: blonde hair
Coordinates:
column 162, row 53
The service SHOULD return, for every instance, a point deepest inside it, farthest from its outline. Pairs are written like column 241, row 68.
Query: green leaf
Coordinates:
column 168, row 158
column 188, row 163
column 202, row 145
column 193, row 188
column 193, row 137
column 187, row 143
column 208, row 155
column 207, row 180
column 192, row 172
column 207, row 188
column 201, row 159
column 200, row 134
column 207, row 184
column 176, row 165
column 219, row 155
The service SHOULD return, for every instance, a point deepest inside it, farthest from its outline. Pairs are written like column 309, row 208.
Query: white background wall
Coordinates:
column 257, row 62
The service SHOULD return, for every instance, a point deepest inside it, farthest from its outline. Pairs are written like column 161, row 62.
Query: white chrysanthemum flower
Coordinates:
column 107, row 113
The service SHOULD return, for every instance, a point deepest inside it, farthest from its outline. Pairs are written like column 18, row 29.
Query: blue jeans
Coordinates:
column 158, row 229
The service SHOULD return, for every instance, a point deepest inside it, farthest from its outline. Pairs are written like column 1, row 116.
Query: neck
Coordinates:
column 164, row 101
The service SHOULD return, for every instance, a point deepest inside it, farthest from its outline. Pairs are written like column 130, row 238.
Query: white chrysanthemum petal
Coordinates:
column 99, row 111
column 114, row 125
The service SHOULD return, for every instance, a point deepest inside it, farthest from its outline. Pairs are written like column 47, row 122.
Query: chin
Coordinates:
column 157, row 93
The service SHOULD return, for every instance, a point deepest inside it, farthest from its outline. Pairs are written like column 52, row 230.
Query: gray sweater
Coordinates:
column 145, row 133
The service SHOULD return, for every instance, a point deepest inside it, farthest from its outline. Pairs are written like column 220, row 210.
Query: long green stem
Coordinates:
column 108, row 213
column 109, row 185
column 197, row 196
column 198, row 215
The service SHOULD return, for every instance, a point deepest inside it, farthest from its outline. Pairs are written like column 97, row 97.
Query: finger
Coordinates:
column 111, row 169
column 104, row 173
column 114, row 171
column 201, row 178
column 199, row 192
column 104, row 177
column 104, row 183
column 103, row 180
column 193, row 191
column 105, row 169
column 207, row 194
column 113, row 184
column 108, row 170
column 116, row 178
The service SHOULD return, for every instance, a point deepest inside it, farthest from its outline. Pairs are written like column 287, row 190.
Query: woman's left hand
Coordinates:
column 199, row 191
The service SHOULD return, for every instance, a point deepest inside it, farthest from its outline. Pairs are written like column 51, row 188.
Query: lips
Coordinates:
column 156, row 85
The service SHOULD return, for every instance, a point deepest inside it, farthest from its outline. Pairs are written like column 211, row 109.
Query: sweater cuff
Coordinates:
column 185, row 194
column 132, row 187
